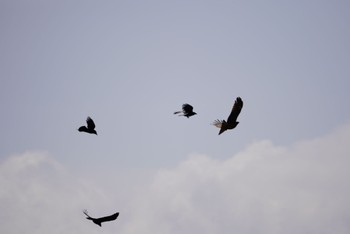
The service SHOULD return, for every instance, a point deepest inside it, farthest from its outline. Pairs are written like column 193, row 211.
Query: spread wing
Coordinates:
column 90, row 123
column 109, row 218
column 187, row 108
column 236, row 109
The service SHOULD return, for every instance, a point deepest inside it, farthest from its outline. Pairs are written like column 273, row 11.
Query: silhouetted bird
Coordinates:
column 231, row 122
column 187, row 110
column 90, row 127
column 98, row 221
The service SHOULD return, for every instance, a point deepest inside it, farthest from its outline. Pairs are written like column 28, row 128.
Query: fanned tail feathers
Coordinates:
column 217, row 123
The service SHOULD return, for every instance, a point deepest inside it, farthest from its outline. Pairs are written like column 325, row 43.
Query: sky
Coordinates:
column 129, row 65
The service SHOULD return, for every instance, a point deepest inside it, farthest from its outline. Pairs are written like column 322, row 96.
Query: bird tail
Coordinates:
column 217, row 123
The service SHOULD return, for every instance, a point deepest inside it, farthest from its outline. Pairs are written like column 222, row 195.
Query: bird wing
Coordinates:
column 236, row 109
column 187, row 108
column 82, row 129
column 86, row 213
column 217, row 123
column 109, row 218
column 90, row 123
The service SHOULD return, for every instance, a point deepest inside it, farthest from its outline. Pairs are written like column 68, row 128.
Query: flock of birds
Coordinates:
column 187, row 111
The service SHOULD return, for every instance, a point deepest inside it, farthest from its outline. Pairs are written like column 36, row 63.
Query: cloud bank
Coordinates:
column 38, row 196
column 263, row 189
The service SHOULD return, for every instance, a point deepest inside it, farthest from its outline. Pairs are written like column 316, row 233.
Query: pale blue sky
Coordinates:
column 130, row 64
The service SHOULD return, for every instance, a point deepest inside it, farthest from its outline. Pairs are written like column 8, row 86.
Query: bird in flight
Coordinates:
column 231, row 122
column 187, row 110
column 90, row 127
column 99, row 221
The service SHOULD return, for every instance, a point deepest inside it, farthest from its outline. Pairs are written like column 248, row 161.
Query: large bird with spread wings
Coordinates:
column 90, row 128
column 187, row 110
column 231, row 122
column 99, row 221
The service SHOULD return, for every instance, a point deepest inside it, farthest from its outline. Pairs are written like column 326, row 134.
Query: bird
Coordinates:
column 187, row 111
column 231, row 122
column 90, row 127
column 99, row 221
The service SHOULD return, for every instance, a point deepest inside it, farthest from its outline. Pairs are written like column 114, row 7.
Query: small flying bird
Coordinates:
column 99, row 221
column 187, row 111
column 231, row 122
column 90, row 127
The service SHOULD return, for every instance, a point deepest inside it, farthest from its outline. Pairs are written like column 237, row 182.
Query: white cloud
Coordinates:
column 263, row 189
column 38, row 196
